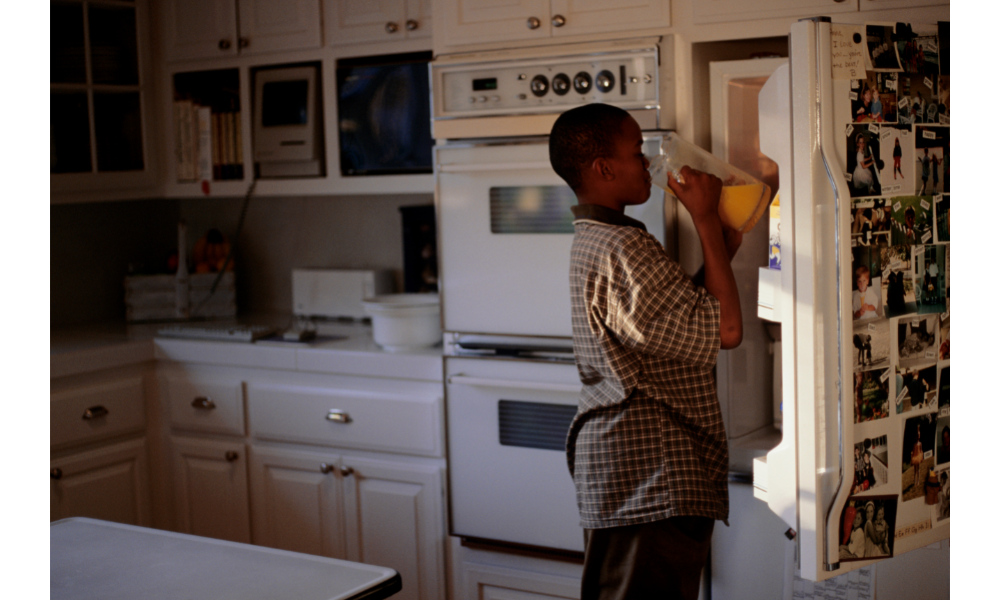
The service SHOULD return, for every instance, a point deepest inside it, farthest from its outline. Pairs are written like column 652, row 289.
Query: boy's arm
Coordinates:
column 734, row 239
column 700, row 196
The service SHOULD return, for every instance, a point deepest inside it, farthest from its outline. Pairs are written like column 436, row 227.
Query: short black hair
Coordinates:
column 582, row 134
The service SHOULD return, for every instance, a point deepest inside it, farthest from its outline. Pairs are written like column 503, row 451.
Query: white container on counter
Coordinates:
column 405, row 321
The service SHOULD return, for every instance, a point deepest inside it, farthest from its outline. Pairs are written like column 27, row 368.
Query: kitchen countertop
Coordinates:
column 339, row 347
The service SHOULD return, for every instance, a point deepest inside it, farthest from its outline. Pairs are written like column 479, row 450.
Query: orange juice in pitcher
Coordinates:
column 744, row 198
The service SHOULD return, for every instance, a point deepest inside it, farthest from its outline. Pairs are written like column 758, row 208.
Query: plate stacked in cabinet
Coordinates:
column 898, row 171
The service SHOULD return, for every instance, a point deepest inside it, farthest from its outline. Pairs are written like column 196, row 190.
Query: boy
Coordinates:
column 647, row 449
column 865, row 300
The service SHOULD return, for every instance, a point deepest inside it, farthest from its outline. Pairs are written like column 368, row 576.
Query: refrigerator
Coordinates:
column 857, row 292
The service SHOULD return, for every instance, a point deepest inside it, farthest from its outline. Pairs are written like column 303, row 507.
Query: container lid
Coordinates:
column 401, row 300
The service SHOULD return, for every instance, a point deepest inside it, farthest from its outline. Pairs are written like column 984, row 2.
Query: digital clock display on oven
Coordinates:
column 480, row 85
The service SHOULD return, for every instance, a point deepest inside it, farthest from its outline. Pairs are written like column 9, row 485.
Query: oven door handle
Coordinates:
column 508, row 383
column 506, row 166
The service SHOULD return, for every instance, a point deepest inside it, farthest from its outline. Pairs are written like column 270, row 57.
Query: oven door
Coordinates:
column 507, row 425
column 505, row 235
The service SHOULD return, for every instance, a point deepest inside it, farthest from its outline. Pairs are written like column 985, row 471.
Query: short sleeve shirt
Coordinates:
column 648, row 440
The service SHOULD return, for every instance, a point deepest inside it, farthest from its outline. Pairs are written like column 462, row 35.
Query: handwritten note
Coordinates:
column 855, row 585
column 913, row 529
column 848, row 51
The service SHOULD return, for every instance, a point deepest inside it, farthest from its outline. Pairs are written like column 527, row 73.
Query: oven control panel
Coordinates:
column 627, row 79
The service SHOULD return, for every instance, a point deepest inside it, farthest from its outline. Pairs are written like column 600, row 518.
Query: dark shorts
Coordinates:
column 662, row 560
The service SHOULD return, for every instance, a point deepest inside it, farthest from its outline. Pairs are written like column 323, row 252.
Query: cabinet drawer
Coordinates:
column 348, row 418
column 197, row 404
column 97, row 411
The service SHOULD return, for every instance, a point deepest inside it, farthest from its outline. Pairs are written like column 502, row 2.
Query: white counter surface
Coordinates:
column 345, row 348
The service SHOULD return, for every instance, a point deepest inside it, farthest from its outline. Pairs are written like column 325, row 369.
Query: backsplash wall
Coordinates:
column 93, row 245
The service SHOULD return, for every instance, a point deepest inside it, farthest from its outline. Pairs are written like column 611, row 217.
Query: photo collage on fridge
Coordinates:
column 898, row 172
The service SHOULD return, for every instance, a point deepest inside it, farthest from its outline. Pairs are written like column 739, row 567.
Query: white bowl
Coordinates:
column 405, row 321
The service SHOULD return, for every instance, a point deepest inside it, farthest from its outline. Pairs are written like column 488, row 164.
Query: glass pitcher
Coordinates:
column 744, row 198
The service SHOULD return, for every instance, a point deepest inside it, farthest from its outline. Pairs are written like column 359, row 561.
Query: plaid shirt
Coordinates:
column 647, row 441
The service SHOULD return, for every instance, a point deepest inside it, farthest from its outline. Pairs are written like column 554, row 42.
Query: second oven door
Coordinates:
column 507, row 425
column 505, row 236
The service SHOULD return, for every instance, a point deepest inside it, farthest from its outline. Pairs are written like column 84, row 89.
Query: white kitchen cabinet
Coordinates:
column 729, row 11
column 200, row 29
column 98, row 460
column 461, row 22
column 385, row 21
column 890, row 4
column 375, row 510
column 99, row 101
column 209, row 478
column 108, row 483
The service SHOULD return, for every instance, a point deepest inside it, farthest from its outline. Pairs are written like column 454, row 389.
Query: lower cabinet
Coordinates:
column 209, row 478
column 108, row 483
column 371, row 510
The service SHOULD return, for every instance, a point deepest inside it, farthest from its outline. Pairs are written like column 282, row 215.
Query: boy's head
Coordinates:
column 602, row 144
column 910, row 215
column 861, row 274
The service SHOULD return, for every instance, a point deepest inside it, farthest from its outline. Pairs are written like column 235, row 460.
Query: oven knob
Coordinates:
column 581, row 83
column 605, row 81
column 495, row 98
column 522, row 96
column 482, row 98
column 472, row 100
column 560, row 84
column 539, row 85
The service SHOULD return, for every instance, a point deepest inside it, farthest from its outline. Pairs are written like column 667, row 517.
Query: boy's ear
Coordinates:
column 602, row 169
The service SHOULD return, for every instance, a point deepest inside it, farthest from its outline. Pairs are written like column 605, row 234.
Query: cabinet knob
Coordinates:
column 338, row 416
column 326, row 468
column 94, row 412
column 225, row 44
column 534, row 23
column 231, row 456
column 346, row 471
column 244, row 42
column 559, row 20
column 411, row 25
column 203, row 403
column 391, row 27
column 55, row 473
column 838, row 1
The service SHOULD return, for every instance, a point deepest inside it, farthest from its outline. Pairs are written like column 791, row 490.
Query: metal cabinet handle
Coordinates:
column 225, row 44
column 338, row 416
column 326, row 468
column 231, row 456
column 94, row 412
column 534, row 23
column 391, row 27
column 203, row 403
column 244, row 42
column 411, row 25
column 346, row 471
column 838, row 0
column 559, row 20
column 55, row 473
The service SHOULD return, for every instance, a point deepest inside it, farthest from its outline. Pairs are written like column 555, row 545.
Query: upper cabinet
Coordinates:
column 719, row 11
column 98, row 95
column 364, row 21
column 196, row 29
column 462, row 22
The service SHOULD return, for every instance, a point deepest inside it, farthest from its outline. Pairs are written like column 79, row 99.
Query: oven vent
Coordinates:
column 535, row 424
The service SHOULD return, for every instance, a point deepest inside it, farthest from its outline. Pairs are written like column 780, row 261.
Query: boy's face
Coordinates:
column 632, row 179
column 862, row 282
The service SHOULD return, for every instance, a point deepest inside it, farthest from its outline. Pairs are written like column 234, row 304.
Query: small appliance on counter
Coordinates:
column 336, row 293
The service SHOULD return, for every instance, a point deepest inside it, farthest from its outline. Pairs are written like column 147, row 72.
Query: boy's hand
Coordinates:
column 699, row 193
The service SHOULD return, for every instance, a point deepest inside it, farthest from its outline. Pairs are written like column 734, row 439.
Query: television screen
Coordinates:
column 384, row 118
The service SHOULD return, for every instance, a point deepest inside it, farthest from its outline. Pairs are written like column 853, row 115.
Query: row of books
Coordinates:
column 209, row 145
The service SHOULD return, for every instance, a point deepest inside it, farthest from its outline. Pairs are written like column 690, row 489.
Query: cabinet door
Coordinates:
column 717, row 11
column 276, row 25
column 574, row 17
column 110, row 483
column 200, row 29
column 297, row 500
column 475, row 21
column 210, row 489
column 395, row 519
column 361, row 21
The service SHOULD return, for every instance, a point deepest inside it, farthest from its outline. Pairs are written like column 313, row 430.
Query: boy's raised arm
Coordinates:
column 700, row 196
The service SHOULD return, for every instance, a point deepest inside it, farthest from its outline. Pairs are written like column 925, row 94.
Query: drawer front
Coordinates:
column 198, row 404
column 346, row 418
column 97, row 411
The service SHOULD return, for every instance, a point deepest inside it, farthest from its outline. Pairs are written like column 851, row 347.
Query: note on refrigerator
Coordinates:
column 855, row 585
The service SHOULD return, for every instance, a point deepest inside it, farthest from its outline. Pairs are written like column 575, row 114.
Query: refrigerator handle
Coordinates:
column 835, row 172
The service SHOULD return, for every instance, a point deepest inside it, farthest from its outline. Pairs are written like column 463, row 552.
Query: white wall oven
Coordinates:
column 505, row 231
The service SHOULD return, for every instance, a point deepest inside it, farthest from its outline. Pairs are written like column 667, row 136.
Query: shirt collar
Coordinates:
column 603, row 214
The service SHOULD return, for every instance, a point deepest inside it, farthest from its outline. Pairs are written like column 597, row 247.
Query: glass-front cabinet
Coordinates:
column 97, row 96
